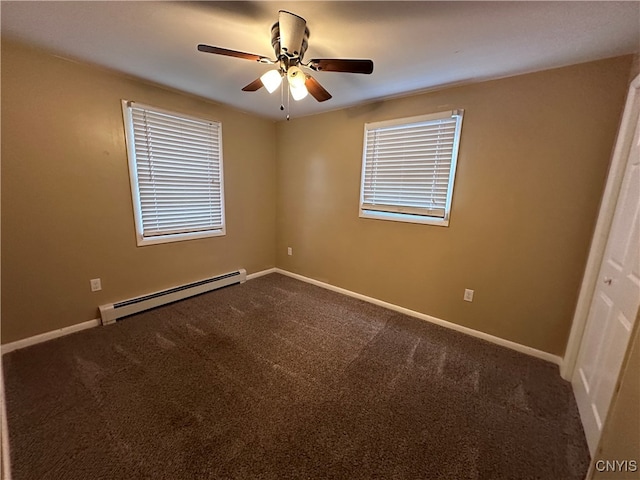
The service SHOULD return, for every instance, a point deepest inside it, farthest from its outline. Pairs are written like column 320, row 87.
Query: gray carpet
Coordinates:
column 278, row 379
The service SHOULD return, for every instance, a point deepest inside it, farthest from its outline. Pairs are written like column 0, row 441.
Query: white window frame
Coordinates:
column 408, row 213
column 141, row 239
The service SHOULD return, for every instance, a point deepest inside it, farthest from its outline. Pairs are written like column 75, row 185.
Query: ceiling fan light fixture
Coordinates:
column 298, row 92
column 296, row 77
column 271, row 80
column 290, row 40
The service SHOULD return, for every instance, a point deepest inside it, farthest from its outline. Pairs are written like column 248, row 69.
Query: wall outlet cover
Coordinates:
column 468, row 295
column 96, row 284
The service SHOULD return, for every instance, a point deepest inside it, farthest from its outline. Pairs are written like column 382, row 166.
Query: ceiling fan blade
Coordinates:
column 341, row 65
column 233, row 53
column 253, row 86
column 316, row 90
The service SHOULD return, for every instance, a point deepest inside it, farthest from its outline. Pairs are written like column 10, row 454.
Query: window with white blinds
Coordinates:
column 408, row 168
column 175, row 166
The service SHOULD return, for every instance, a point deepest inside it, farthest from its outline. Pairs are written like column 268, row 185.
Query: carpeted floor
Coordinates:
column 278, row 379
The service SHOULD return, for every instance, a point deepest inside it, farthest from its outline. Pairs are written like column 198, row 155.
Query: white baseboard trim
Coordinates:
column 422, row 316
column 261, row 273
column 43, row 337
column 4, row 433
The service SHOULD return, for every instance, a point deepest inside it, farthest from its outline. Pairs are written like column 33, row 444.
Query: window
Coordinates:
column 408, row 168
column 175, row 167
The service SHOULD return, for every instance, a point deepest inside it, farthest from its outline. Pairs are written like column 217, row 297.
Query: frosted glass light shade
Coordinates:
column 296, row 77
column 271, row 80
column 298, row 92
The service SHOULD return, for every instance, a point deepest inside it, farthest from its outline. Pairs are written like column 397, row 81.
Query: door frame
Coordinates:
column 603, row 227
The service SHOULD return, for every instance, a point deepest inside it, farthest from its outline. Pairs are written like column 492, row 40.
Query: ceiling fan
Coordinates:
column 290, row 39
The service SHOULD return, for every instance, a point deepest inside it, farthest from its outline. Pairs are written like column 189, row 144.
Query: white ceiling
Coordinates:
column 414, row 45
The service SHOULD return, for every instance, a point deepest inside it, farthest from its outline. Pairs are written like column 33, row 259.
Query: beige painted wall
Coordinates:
column 66, row 202
column 531, row 170
column 532, row 165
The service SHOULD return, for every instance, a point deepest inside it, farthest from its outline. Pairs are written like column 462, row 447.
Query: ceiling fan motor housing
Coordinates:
column 290, row 36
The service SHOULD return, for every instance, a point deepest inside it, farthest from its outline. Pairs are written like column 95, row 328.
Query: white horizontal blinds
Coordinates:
column 179, row 173
column 408, row 167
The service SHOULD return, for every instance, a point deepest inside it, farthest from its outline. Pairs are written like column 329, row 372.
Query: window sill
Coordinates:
column 404, row 217
column 178, row 237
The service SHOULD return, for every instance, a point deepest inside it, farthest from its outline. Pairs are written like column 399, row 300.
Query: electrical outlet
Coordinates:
column 96, row 284
column 289, row 251
column 468, row 295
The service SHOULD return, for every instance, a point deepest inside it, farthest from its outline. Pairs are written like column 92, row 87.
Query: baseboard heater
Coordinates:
column 109, row 313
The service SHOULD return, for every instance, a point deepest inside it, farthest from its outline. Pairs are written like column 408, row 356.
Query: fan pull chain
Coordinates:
column 281, row 95
column 288, row 99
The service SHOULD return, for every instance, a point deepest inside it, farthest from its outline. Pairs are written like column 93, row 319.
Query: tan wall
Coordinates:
column 66, row 202
column 533, row 161
column 532, row 165
column 621, row 435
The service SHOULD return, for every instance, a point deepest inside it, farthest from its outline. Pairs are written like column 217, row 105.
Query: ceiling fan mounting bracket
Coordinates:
column 290, row 35
column 288, row 56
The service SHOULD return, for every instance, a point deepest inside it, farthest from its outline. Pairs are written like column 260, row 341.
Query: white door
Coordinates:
column 614, row 306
